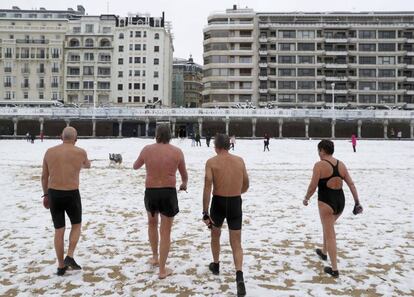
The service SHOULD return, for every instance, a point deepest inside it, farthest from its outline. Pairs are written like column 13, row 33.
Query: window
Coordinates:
column 137, row 60
column 286, row 46
column 88, row 98
column 73, row 43
column 137, row 33
column 386, row 60
column 367, row 72
column 306, row 59
column 287, row 98
column 290, row 85
column 106, row 30
column 88, row 57
column 89, row 42
column 306, row 85
column 104, row 71
column 104, row 57
column 244, row 72
column 386, row 99
column 131, row 59
column 245, row 46
column 120, row 48
column 136, row 98
column 157, row 36
column 287, row 34
column 156, row 61
column 137, row 86
column 121, row 36
column 155, row 87
column 104, row 85
column 306, row 72
column 120, row 61
column 367, row 34
column 245, row 59
column 119, row 99
column 155, row 74
column 287, row 59
column 76, row 30
column 120, row 74
column 145, row 33
column 88, row 85
column 306, row 97
column 367, row 47
column 367, row 60
column 131, row 33
column 386, row 86
column 306, row 46
column 367, row 85
column 386, row 47
column 386, row 34
column 156, row 48
column 130, row 86
column 306, row 34
column 386, row 73
column 25, row 95
column 143, row 86
column 137, row 47
column 41, row 95
column 88, row 28
column 144, row 60
column 287, row 72
column 137, row 72
column 144, row 47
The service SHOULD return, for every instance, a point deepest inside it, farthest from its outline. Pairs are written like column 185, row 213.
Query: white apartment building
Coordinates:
column 31, row 53
column 142, row 65
column 81, row 59
column 300, row 59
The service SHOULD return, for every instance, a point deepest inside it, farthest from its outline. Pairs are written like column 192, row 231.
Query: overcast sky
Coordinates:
column 189, row 17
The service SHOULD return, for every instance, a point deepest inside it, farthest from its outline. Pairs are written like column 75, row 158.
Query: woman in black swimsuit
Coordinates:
column 328, row 175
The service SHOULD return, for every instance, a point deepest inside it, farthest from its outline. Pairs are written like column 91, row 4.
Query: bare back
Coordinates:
column 161, row 163
column 63, row 164
column 229, row 175
column 326, row 171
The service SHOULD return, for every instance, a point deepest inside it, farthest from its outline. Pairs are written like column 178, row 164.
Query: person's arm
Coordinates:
column 140, row 160
column 313, row 184
column 183, row 172
column 245, row 186
column 45, row 176
column 86, row 163
column 208, row 184
column 351, row 185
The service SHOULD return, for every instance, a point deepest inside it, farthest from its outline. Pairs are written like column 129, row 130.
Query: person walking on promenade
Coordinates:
column 354, row 142
column 60, row 183
column 161, row 160
column 266, row 142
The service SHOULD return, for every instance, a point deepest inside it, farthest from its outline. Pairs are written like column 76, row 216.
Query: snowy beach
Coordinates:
column 375, row 249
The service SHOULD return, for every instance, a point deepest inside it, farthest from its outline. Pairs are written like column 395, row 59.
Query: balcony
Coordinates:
column 262, row 52
column 336, row 78
column 25, row 70
column 262, row 77
column 335, row 53
column 54, row 85
column 7, row 84
column 263, row 91
column 7, row 69
column 263, row 39
column 40, row 86
column 25, row 85
column 410, row 66
column 32, row 41
column 411, row 53
column 410, row 40
column 263, row 65
column 410, row 78
column 55, row 70
column 41, row 56
column 8, row 55
column 336, row 91
column 334, row 66
column 40, row 70
column 336, row 40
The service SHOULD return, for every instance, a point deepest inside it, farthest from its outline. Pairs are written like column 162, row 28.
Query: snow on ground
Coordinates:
column 375, row 250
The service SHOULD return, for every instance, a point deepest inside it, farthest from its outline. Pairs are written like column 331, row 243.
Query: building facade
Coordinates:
column 309, row 59
column 187, row 83
column 85, row 60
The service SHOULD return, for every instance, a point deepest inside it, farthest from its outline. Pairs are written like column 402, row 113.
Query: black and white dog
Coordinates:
column 115, row 159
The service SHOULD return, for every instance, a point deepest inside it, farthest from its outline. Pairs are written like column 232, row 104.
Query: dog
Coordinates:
column 115, row 159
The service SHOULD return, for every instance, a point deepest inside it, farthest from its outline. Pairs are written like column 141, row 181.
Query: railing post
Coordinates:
column 280, row 128
column 385, row 129
column 307, row 128
column 359, row 128
column 93, row 128
column 41, row 121
column 200, row 126
column 173, row 120
column 15, row 121
column 120, row 128
column 333, row 123
column 146, row 126
column 67, row 121
column 254, row 121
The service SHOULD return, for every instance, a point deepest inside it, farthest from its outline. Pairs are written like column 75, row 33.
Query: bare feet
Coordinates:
column 167, row 272
column 153, row 262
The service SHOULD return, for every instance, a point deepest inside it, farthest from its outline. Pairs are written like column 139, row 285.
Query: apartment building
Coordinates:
column 186, row 83
column 361, row 59
column 31, row 52
column 76, row 58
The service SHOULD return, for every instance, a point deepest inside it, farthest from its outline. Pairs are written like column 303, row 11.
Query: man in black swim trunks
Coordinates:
column 162, row 160
column 227, row 175
column 60, row 183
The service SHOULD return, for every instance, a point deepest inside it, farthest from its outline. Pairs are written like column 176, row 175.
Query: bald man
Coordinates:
column 60, row 183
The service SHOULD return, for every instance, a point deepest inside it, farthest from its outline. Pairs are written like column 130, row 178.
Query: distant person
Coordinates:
column 192, row 139
column 42, row 135
column 232, row 142
column 198, row 139
column 328, row 175
column 266, row 142
column 208, row 138
column 162, row 160
column 28, row 137
column 399, row 135
column 354, row 142
column 60, row 183
column 32, row 138
column 392, row 132
column 226, row 175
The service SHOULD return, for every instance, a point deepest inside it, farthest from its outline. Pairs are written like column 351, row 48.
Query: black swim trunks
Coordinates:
column 162, row 200
column 65, row 201
column 229, row 208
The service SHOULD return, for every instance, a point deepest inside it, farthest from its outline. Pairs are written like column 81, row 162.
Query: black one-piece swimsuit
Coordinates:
column 334, row 198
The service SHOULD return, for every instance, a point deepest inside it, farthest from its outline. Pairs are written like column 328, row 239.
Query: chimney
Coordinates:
column 15, row 8
column 234, row 7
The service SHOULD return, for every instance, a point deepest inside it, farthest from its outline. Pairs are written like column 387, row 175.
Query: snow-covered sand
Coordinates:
column 375, row 249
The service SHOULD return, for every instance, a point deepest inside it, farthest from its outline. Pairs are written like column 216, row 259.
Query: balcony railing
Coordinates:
column 7, row 84
column 25, row 70
column 32, row 41
column 54, row 85
column 7, row 69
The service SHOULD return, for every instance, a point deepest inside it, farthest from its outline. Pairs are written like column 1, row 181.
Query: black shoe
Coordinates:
column 69, row 261
column 241, row 288
column 214, row 268
column 321, row 254
column 333, row 273
column 61, row 271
